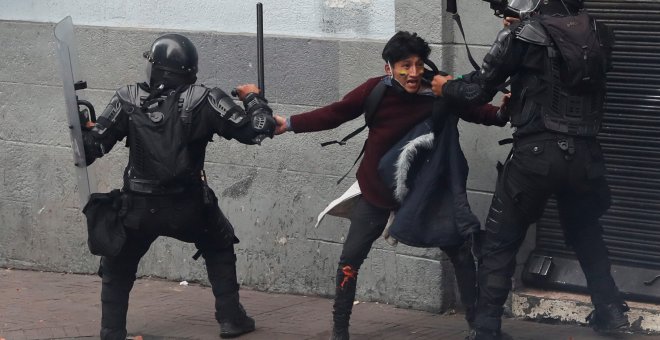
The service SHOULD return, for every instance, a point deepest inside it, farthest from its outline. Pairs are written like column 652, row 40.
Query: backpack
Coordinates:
column 583, row 61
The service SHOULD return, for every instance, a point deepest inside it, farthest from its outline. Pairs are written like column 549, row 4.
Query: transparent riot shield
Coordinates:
column 67, row 55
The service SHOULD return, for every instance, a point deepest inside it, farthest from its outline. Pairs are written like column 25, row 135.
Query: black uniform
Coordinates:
column 556, row 109
column 164, row 190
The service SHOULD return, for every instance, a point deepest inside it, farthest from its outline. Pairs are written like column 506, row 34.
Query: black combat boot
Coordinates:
column 481, row 334
column 487, row 324
column 236, row 324
column 343, row 306
column 114, row 306
column 608, row 317
column 230, row 314
column 476, row 334
column 340, row 333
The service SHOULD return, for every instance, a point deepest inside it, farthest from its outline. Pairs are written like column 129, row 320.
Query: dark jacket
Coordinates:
column 397, row 113
column 428, row 174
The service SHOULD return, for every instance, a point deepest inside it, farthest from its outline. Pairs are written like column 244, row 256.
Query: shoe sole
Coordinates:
column 235, row 335
column 621, row 326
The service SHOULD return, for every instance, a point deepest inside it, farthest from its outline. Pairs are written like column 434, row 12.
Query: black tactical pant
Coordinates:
column 539, row 166
column 367, row 224
column 182, row 217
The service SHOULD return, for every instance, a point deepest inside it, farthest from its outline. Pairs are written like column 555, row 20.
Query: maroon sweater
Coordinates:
column 396, row 115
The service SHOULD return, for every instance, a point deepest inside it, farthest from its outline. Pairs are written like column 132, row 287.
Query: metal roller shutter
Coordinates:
column 631, row 143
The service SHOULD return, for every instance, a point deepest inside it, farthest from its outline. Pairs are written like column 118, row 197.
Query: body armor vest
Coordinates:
column 161, row 157
column 570, row 111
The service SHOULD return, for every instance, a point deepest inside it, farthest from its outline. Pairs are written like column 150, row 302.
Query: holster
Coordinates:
column 220, row 230
column 106, row 234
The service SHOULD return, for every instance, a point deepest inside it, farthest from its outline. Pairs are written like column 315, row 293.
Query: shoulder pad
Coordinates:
column 503, row 35
column 532, row 32
column 194, row 96
column 132, row 94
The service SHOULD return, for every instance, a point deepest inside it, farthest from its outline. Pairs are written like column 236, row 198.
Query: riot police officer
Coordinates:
column 168, row 122
column 556, row 57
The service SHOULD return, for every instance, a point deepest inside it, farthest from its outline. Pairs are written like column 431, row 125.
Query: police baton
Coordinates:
column 260, row 52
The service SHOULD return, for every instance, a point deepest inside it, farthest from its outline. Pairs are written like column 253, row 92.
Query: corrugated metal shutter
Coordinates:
column 631, row 142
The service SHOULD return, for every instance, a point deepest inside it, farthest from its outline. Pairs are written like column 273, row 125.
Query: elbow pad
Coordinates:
column 261, row 117
column 225, row 107
column 108, row 117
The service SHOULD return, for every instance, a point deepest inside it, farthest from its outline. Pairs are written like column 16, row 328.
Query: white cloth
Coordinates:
column 342, row 206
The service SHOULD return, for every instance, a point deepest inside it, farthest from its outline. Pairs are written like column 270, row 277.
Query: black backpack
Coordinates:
column 583, row 62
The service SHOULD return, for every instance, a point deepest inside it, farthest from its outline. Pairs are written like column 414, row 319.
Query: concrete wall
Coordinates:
column 315, row 18
column 271, row 193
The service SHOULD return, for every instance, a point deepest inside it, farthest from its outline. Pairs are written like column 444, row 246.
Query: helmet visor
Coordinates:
column 147, row 71
column 524, row 6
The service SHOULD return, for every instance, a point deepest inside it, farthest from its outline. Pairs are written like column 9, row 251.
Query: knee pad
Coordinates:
column 117, row 277
column 116, row 289
column 499, row 283
column 219, row 256
column 217, row 240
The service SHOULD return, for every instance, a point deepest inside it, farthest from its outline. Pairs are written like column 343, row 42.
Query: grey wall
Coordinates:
column 271, row 193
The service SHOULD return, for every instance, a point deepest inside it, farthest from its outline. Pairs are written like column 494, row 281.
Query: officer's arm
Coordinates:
column 110, row 127
column 479, row 87
column 250, row 125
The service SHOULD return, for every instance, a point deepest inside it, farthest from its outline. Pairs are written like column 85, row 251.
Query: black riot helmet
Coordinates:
column 172, row 61
column 524, row 8
column 514, row 8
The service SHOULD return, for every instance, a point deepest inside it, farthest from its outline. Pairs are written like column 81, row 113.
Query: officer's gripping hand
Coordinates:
column 281, row 126
column 438, row 82
column 503, row 112
column 245, row 89
column 508, row 21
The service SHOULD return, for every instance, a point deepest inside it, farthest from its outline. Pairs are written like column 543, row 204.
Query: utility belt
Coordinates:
column 566, row 143
column 141, row 201
column 153, row 187
column 152, row 194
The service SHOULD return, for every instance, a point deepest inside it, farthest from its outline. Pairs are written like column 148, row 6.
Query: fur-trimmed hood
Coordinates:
column 405, row 161
column 427, row 172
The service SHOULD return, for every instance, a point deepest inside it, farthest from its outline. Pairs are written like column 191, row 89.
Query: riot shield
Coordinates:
column 67, row 56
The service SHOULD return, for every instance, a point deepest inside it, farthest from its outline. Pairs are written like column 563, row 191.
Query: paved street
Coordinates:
column 41, row 305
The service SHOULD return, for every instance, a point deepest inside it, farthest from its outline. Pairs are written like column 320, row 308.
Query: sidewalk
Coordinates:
column 41, row 305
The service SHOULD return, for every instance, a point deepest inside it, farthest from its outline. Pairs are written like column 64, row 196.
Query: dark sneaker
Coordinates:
column 339, row 333
column 477, row 334
column 610, row 317
column 236, row 327
column 113, row 334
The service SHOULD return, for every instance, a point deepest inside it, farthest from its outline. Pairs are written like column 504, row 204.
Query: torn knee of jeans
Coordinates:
column 348, row 275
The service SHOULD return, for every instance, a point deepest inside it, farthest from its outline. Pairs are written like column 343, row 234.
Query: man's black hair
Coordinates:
column 403, row 45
